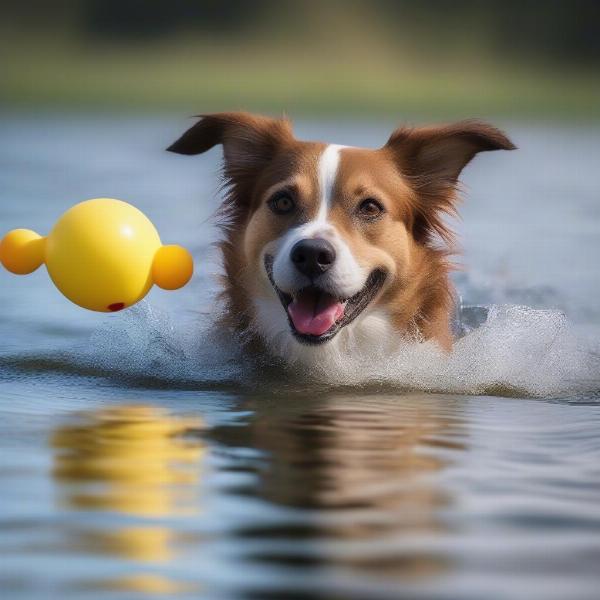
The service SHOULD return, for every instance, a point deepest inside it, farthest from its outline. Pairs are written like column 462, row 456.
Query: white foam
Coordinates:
column 145, row 343
column 515, row 351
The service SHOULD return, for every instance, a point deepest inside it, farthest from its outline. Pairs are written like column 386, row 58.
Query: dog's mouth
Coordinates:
column 315, row 316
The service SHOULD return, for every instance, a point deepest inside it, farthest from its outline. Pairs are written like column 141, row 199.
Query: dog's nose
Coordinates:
column 312, row 256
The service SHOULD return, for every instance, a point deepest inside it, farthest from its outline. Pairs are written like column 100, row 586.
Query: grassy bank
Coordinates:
column 193, row 77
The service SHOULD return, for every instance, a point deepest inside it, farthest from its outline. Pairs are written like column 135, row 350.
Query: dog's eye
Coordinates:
column 370, row 209
column 282, row 203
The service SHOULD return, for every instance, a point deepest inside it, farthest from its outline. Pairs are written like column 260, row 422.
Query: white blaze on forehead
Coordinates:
column 327, row 172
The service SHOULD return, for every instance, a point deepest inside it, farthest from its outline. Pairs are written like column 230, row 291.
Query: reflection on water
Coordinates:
column 360, row 476
column 354, row 485
column 346, row 495
column 130, row 460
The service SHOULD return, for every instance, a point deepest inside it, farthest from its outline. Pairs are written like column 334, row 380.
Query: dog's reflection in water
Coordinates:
column 361, row 477
column 141, row 464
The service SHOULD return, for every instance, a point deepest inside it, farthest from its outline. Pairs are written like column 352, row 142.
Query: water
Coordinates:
column 141, row 455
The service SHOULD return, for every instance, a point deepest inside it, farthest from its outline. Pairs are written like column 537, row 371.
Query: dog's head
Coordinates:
column 318, row 235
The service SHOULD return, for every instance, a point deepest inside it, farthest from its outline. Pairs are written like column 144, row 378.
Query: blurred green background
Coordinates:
column 526, row 58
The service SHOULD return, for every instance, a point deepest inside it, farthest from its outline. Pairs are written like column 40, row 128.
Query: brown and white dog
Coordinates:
column 334, row 249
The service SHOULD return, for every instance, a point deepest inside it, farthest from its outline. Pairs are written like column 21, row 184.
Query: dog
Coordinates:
column 331, row 249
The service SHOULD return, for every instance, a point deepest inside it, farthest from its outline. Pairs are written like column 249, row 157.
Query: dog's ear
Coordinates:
column 432, row 158
column 441, row 153
column 249, row 141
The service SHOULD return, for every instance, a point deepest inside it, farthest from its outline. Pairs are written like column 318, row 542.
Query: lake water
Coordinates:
column 140, row 456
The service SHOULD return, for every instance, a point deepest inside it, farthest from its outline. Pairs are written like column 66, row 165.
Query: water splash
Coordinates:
column 145, row 343
column 503, row 350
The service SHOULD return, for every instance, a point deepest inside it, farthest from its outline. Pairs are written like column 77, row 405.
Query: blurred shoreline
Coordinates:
column 191, row 76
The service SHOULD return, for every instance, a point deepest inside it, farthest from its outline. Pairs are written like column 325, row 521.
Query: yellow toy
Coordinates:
column 102, row 254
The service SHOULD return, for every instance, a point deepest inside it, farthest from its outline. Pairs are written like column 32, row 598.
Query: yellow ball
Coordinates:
column 173, row 267
column 100, row 253
column 22, row 251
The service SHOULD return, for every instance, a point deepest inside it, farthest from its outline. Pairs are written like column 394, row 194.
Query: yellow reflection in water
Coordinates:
column 135, row 460
column 148, row 583
column 138, row 451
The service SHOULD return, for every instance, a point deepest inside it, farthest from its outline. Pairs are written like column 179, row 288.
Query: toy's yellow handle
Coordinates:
column 172, row 267
column 22, row 251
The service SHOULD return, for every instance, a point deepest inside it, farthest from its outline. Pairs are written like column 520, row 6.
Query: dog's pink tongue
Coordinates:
column 314, row 315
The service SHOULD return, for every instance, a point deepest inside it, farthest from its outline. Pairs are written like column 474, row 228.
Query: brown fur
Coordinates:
column 414, row 175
